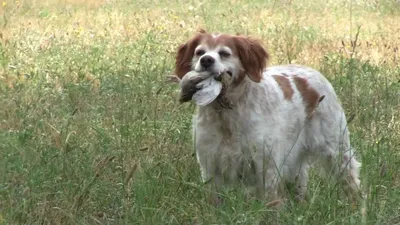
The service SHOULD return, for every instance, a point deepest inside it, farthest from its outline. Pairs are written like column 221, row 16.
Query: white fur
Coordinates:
column 267, row 139
column 274, row 134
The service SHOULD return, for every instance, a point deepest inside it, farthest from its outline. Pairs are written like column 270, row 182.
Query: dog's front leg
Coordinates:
column 210, row 173
column 214, row 186
column 207, row 140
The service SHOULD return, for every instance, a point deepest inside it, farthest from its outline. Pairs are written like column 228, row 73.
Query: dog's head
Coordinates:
column 238, row 56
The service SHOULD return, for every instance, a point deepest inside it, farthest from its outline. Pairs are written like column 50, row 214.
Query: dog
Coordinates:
column 283, row 119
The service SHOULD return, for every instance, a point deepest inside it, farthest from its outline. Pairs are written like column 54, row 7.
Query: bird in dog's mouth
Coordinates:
column 204, row 87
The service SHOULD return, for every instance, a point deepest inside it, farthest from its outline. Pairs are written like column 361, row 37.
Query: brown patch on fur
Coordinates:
column 285, row 86
column 309, row 94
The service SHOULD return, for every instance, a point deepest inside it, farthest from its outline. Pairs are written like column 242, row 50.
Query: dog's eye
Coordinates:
column 200, row 52
column 224, row 53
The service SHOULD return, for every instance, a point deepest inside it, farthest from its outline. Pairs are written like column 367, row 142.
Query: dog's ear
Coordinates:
column 252, row 55
column 183, row 60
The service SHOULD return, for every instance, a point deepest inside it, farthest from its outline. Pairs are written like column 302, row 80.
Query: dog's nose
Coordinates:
column 207, row 61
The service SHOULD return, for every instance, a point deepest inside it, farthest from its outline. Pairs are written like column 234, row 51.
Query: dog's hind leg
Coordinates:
column 345, row 169
column 268, row 181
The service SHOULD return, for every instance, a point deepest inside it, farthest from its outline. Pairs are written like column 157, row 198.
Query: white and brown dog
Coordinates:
column 282, row 120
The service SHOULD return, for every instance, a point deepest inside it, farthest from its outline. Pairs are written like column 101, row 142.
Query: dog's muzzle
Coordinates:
column 218, row 77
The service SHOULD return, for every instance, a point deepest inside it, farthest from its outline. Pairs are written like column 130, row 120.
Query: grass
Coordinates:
column 91, row 134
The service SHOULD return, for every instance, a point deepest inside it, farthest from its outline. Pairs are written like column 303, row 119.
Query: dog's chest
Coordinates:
column 237, row 131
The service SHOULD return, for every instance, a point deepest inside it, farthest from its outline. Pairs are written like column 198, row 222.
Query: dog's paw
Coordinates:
column 215, row 200
column 277, row 203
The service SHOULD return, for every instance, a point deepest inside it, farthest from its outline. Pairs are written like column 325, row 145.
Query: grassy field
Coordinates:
column 91, row 134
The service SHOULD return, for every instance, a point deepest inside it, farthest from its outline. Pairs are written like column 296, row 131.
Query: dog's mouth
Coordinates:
column 218, row 77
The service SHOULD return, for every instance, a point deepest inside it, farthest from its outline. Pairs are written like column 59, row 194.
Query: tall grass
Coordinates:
column 91, row 134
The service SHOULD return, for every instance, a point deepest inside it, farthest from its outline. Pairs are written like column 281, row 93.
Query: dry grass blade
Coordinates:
column 86, row 189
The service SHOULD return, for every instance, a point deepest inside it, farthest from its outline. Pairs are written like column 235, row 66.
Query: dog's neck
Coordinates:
column 237, row 94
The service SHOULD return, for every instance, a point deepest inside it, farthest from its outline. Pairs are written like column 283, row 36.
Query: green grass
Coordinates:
column 91, row 134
